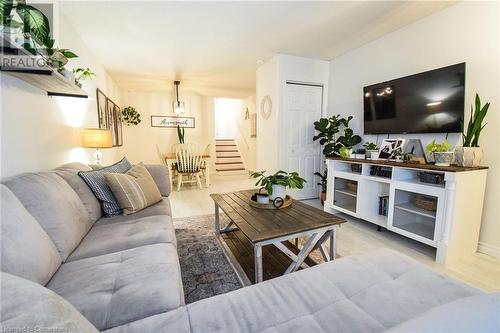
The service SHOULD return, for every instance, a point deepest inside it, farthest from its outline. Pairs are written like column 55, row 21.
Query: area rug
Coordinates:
column 205, row 270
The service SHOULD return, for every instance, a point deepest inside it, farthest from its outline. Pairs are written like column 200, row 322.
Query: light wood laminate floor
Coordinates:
column 356, row 236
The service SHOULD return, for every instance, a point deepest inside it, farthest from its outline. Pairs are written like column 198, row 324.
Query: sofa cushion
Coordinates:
column 479, row 313
column 97, row 183
column 114, row 289
column 55, row 205
column 161, row 176
column 106, row 238
column 134, row 190
column 69, row 172
column 27, row 305
column 27, row 251
column 366, row 293
column 175, row 321
column 161, row 208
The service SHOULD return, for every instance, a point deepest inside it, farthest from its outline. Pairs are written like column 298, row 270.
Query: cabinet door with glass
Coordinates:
column 417, row 213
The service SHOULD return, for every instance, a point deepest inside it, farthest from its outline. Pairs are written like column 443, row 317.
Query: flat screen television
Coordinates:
column 428, row 102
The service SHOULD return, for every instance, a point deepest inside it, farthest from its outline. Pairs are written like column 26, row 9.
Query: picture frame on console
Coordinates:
column 391, row 148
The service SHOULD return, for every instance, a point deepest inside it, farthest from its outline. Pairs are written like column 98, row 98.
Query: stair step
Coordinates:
column 223, row 160
column 235, row 169
column 227, row 144
column 224, row 163
column 226, row 148
column 224, row 154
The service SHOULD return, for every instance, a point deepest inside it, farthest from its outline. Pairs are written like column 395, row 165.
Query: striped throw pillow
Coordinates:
column 97, row 183
column 134, row 190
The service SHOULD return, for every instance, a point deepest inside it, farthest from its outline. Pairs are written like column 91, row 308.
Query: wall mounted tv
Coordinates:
column 428, row 102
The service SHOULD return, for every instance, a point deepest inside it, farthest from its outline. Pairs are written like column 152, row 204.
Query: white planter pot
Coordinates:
column 469, row 156
column 279, row 191
column 372, row 155
column 443, row 158
column 263, row 199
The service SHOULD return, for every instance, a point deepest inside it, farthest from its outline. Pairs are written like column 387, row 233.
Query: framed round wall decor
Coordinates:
column 266, row 107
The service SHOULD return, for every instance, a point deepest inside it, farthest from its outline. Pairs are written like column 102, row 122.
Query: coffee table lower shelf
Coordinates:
column 274, row 261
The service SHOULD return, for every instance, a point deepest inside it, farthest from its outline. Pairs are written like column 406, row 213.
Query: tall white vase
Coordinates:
column 279, row 191
column 469, row 156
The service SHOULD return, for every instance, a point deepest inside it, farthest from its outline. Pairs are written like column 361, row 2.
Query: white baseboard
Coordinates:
column 490, row 250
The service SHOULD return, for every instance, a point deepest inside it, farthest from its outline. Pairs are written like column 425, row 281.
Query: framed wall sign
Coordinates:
column 172, row 121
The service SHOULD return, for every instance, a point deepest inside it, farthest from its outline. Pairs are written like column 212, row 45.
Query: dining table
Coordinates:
column 172, row 158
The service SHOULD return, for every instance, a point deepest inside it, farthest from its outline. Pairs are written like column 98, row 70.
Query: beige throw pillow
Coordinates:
column 134, row 190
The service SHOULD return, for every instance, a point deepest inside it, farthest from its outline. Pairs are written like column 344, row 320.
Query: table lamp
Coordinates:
column 97, row 138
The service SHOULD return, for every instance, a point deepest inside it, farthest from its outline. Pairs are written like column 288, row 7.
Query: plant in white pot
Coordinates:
column 441, row 152
column 276, row 184
column 371, row 151
column 470, row 154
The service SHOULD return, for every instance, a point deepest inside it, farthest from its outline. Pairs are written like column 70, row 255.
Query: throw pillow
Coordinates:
column 97, row 183
column 135, row 189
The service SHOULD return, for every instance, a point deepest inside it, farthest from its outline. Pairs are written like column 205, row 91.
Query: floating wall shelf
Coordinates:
column 48, row 80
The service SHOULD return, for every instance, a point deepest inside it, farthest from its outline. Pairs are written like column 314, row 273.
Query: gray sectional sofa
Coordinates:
column 67, row 268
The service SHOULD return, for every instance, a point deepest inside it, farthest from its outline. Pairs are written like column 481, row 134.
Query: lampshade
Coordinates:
column 97, row 138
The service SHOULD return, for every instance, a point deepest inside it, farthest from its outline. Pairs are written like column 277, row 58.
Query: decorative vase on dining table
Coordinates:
column 279, row 191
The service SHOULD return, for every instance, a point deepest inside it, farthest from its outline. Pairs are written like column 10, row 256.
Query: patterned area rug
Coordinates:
column 206, row 272
column 205, row 269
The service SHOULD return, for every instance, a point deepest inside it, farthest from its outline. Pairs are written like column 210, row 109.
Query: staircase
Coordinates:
column 228, row 158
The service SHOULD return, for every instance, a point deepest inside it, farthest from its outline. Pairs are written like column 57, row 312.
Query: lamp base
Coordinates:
column 97, row 156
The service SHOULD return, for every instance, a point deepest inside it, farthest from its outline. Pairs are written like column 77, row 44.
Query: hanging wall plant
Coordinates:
column 82, row 74
column 131, row 116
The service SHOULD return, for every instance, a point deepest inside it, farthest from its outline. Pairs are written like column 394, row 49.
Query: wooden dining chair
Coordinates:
column 189, row 158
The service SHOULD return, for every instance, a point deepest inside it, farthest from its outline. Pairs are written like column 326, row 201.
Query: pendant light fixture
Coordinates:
column 178, row 106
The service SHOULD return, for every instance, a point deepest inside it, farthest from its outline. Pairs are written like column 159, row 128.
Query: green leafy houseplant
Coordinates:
column 370, row 146
column 441, row 153
column 82, row 74
column 475, row 126
column 435, row 147
column 470, row 154
column 291, row 180
column 323, row 179
column 131, row 116
column 329, row 128
column 180, row 133
column 33, row 28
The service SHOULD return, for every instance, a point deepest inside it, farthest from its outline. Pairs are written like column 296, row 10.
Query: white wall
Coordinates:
column 246, row 143
column 140, row 141
column 468, row 31
column 271, row 80
column 267, row 129
column 40, row 132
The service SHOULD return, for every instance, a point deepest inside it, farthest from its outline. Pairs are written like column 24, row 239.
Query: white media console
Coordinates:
column 452, row 226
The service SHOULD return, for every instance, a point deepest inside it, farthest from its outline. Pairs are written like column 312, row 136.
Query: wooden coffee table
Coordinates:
column 264, row 227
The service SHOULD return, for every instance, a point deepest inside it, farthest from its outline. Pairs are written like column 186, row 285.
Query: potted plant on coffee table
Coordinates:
column 470, row 154
column 323, row 183
column 371, row 150
column 441, row 152
column 276, row 184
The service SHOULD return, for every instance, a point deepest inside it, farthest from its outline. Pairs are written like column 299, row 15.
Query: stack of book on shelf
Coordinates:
column 383, row 205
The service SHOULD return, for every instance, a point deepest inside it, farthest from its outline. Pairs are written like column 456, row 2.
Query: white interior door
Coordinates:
column 302, row 107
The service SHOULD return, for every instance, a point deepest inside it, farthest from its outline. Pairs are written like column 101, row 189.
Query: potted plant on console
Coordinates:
column 441, row 152
column 371, row 150
column 470, row 154
column 276, row 184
